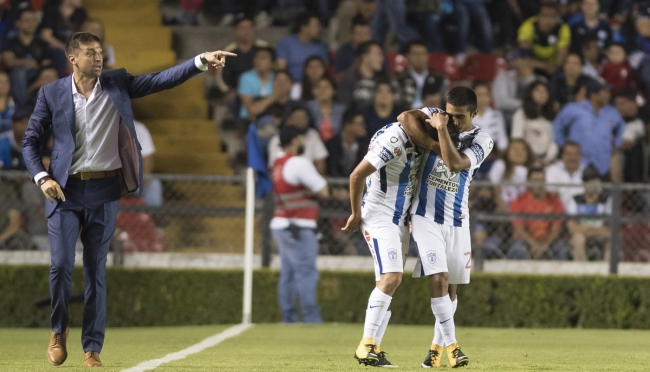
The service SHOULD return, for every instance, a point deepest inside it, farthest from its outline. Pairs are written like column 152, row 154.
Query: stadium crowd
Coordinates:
column 562, row 89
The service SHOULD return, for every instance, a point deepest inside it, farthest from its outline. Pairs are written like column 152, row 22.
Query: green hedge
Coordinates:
column 143, row 297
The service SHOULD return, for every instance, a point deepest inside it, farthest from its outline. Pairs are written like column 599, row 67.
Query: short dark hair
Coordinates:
column 288, row 133
column 359, row 21
column 582, row 60
column 384, row 82
column 349, row 115
column 480, row 83
column 302, row 19
column 591, row 173
column 462, row 97
column 364, row 48
column 628, row 93
column 241, row 18
column 535, row 169
column 550, row 4
column 267, row 49
column 23, row 11
column 78, row 38
column 416, row 42
column 284, row 72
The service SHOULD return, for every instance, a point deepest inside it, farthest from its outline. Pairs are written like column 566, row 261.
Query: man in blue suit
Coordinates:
column 95, row 159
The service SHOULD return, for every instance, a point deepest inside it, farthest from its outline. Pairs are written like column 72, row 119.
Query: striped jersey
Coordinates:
column 443, row 194
column 389, row 190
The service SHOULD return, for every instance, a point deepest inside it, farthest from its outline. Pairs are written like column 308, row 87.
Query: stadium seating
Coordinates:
column 482, row 67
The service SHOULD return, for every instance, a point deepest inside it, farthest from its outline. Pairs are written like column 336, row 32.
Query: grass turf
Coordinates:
column 329, row 347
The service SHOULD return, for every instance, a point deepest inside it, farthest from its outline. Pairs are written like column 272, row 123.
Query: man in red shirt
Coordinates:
column 537, row 239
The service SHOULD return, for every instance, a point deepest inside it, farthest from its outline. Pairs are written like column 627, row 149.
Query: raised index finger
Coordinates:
column 228, row 54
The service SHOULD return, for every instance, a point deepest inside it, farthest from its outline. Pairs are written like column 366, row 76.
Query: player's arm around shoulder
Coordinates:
column 413, row 123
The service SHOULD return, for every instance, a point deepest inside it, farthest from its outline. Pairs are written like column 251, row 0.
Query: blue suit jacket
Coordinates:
column 55, row 111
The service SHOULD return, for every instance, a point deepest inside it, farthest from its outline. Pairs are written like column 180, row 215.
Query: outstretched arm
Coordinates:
column 413, row 123
column 142, row 85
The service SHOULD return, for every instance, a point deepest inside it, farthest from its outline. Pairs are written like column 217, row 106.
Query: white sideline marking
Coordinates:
column 196, row 348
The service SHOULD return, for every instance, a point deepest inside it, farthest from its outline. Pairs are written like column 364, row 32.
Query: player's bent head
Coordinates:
column 461, row 105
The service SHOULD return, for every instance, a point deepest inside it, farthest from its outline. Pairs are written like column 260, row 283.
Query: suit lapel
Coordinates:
column 68, row 104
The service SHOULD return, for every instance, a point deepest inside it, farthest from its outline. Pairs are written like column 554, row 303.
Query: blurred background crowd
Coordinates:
column 563, row 89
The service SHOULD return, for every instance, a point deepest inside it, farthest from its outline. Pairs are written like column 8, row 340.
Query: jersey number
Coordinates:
column 469, row 260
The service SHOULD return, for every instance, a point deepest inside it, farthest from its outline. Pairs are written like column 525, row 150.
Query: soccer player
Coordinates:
column 389, row 170
column 440, row 216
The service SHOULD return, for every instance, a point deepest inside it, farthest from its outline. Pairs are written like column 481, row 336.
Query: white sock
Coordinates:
column 382, row 328
column 378, row 304
column 443, row 310
column 437, row 333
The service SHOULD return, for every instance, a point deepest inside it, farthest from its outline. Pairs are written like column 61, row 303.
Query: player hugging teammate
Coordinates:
column 419, row 169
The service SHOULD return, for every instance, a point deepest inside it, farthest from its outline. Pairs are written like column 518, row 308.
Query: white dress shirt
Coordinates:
column 97, row 125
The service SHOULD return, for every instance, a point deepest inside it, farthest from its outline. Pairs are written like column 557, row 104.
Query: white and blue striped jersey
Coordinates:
column 443, row 194
column 390, row 189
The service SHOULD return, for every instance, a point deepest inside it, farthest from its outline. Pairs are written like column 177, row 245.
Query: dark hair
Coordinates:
column 591, row 173
column 627, row 93
column 302, row 19
column 551, row 4
column 241, row 18
column 332, row 83
column 535, row 169
column 531, row 110
column 23, row 11
column 462, row 97
column 364, row 48
column 283, row 72
column 359, row 21
column 582, row 60
column 510, row 168
column 290, row 109
column 569, row 143
column 267, row 49
column 481, row 83
column 307, row 89
column 618, row 43
column 78, row 38
column 288, row 133
column 379, row 82
column 349, row 115
column 416, row 42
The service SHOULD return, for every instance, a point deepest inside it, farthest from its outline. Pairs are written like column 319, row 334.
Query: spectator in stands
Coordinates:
column 431, row 96
column 489, row 119
column 384, row 109
column 152, row 191
column 231, row 9
column 325, row 110
column 634, row 144
column 596, row 126
column 268, row 125
column 591, row 57
column 315, row 69
column 357, row 84
column 509, row 86
column 245, row 46
column 12, row 234
column 547, row 36
column 588, row 25
column 315, row 150
column 96, row 26
column 589, row 236
column 391, row 15
column 512, row 168
column 416, row 76
column 534, row 122
column 471, row 15
column 7, row 105
column 568, row 170
column 349, row 147
column 25, row 54
column 537, row 239
column 280, row 96
column 617, row 71
column 643, row 44
column 347, row 53
column 60, row 20
column 46, row 75
column 296, row 185
column 11, row 156
column 565, row 85
column 305, row 42
column 256, row 84
column 191, row 9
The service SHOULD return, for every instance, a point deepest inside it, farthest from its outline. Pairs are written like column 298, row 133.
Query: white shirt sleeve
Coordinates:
column 144, row 137
column 199, row 64
column 479, row 150
column 39, row 176
column 274, row 149
column 314, row 147
column 301, row 171
column 384, row 148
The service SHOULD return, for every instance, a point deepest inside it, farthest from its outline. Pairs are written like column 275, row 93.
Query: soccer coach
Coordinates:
column 95, row 159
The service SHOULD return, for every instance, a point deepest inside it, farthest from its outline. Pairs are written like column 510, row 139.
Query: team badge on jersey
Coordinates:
column 431, row 257
column 392, row 254
column 442, row 178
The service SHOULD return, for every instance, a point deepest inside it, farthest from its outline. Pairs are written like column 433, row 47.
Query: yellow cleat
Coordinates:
column 456, row 356
column 432, row 359
column 366, row 354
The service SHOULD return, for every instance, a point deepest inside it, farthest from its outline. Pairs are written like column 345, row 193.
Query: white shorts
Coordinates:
column 388, row 243
column 441, row 249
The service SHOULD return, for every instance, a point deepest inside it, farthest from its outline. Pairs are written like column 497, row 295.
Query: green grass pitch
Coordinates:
column 329, row 347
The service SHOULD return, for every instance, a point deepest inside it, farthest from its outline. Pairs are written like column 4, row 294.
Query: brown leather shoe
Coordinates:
column 92, row 359
column 56, row 351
